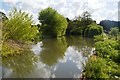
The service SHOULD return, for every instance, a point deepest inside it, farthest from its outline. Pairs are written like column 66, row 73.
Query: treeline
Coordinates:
column 107, row 24
column 54, row 24
column 20, row 27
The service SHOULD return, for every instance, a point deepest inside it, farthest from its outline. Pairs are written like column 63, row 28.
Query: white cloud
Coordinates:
column 100, row 9
column 10, row 0
column 2, row 10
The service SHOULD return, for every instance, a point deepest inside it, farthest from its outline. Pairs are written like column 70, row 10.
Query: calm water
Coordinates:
column 51, row 58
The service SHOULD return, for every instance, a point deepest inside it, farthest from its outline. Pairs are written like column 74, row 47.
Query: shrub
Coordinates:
column 18, row 27
column 96, row 69
column 114, row 31
column 77, row 31
column 101, row 37
column 106, row 47
column 93, row 30
column 101, row 69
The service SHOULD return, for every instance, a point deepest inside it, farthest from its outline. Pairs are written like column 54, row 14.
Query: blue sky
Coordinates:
column 99, row 9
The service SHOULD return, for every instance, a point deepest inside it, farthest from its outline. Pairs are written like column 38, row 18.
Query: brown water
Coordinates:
column 51, row 58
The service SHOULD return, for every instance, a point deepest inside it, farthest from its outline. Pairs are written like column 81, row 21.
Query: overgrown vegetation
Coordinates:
column 93, row 30
column 84, row 25
column 16, row 30
column 19, row 29
column 106, row 63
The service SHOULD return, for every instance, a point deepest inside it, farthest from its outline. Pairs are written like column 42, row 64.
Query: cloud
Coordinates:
column 100, row 9
column 2, row 10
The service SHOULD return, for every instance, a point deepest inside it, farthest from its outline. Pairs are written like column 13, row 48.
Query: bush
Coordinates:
column 101, row 37
column 18, row 27
column 101, row 69
column 107, row 49
column 77, row 31
column 96, row 69
column 93, row 30
column 114, row 31
column 53, row 24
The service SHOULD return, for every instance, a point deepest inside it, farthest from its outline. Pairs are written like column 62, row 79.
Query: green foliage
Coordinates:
column 18, row 27
column 101, row 69
column 107, row 63
column 114, row 32
column 86, row 19
column 95, row 69
column 77, row 31
column 53, row 24
column 101, row 37
column 78, row 26
column 93, row 30
column 107, row 49
column 10, row 48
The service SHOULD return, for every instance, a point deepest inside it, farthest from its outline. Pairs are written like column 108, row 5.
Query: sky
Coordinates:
column 99, row 9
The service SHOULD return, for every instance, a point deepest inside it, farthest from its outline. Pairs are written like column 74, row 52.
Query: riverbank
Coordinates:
column 12, row 48
column 105, row 64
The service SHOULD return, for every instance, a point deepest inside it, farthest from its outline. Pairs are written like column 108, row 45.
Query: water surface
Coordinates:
column 51, row 58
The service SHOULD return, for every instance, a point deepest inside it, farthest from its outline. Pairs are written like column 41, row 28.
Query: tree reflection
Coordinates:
column 53, row 50
column 20, row 65
column 79, row 41
column 81, row 44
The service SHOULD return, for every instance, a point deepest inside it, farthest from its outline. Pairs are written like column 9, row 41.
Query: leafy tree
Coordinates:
column 86, row 15
column 108, row 24
column 114, row 31
column 18, row 27
column 93, row 30
column 86, row 19
column 53, row 24
column 78, row 26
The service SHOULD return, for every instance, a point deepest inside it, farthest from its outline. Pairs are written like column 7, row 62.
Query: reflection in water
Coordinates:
column 56, row 58
column 37, row 48
column 54, row 50
column 20, row 66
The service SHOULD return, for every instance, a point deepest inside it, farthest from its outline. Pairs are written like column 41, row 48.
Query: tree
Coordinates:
column 86, row 15
column 86, row 19
column 93, row 30
column 114, row 31
column 53, row 24
column 18, row 27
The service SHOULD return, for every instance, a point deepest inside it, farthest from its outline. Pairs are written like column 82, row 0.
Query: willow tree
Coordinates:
column 53, row 24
